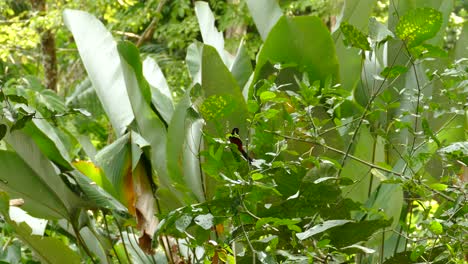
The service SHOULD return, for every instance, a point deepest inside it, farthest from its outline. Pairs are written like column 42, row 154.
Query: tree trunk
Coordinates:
column 49, row 57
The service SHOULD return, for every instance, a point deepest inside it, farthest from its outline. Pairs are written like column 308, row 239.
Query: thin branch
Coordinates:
column 374, row 166
column 149, row 31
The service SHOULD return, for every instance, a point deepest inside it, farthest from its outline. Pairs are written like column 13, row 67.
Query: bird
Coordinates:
column 235, row 139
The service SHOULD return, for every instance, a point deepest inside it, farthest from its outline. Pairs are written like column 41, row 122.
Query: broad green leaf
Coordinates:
column 39, row 173
column 353, row 37
column 95, row 196
column 438, row 186
column 461, row 50
column 358, row 172
column 194, row 61
column 150, row 126
column 43, row 246
column 100, row 57
column 46, row 138
column 20, row 181
column 4, row 204
column 355, row 12
column 210, row 34
column 419, row 25
column 304, row 42
column 160, row 93
column 241, row 67
column 115, row 161
column 182, row 164
column 95, row 174
column 352, row 233
column 321, row 228
column 265, row 14
column 221, row 90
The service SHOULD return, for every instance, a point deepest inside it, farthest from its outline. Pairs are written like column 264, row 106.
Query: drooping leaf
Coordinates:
column 418, row 25
column 150, row 126
column 100, row 57
column 39, row 173
column 43, row 246
column 20, row 181
column 353, row 37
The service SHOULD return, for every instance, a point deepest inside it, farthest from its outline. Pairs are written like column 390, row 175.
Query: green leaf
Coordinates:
column 17, row 99
column 267, row 96
column 47, row 139
column 352, row 233
column 393, row 72
column 20, row 181
column 417, row 252
column 3, row 130
column 100, row 57
column 438, row 186
column 321, row 228
column 419, row 25
column 150, row 125
column 265, row 14
column 436, row 228
column 194, row 61
column 20, row 123
column 43, row 246
column 205, row 221
column 353, row 37
column 428, row 132
column 182, row 140
column 160, row 93
column 210, row 34
column 301, row 41
column 257, row 176
column 241, row 67
column 221, row 88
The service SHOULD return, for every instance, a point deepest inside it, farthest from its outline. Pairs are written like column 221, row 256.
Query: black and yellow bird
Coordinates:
column 234, row 138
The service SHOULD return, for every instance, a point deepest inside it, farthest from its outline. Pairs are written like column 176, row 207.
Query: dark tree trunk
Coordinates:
column 49, row 57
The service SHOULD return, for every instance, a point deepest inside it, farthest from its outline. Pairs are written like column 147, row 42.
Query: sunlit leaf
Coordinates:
column 418, row 25
column 353, row 37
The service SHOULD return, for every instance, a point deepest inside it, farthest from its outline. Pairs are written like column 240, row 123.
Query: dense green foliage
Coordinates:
column 296, row 136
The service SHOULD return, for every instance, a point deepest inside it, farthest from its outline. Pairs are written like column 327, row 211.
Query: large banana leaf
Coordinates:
column 210, row 34
column 265, row 14
column 224, row 106
column 303, row 43
column 39, row 173
column 160, row 93
column 150, row 126
column 101, row 59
